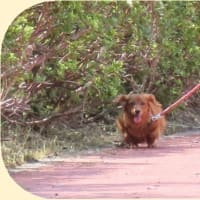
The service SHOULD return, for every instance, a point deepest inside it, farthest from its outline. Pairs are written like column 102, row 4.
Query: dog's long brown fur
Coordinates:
column 135, row 121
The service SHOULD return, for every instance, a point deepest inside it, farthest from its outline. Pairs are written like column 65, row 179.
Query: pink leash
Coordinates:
column 176, row 103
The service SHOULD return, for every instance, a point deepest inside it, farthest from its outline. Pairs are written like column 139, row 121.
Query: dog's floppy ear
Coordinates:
column 154, row 105
column 121, row 99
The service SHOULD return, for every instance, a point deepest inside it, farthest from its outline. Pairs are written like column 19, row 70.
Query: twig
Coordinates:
column 44, row 120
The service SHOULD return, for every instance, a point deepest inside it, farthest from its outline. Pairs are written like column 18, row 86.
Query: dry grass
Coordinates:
column 20, row 145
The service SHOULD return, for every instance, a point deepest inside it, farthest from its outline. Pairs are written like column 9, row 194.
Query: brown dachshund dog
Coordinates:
column 135, row 122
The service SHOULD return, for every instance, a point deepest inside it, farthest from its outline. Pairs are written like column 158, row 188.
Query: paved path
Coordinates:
column 170, row 170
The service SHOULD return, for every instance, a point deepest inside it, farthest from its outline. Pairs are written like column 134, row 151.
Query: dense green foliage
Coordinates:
column 57, row 56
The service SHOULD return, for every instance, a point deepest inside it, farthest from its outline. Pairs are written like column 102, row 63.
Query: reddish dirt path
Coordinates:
column 170, row 170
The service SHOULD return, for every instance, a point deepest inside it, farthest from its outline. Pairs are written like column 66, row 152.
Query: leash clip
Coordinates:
column 155, row 117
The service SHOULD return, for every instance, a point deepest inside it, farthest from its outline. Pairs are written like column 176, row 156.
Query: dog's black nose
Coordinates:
column 137, row 112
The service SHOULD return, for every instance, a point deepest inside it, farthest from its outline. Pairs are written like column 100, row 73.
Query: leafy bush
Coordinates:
column 77, row 56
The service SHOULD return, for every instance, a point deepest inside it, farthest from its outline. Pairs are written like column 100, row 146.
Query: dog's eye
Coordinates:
column 132, row 103
column 142, row 103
